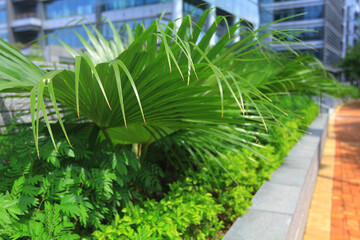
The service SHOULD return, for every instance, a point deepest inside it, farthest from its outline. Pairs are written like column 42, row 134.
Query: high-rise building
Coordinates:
column 351, row 24
column 26, row 20
column 323, row 20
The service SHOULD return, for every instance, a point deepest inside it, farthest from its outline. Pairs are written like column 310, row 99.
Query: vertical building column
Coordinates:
column 345, row 27
column 237, row 32
column 177, row 11
column 10, row 18
column 210, row 21
column 40, row 10
column 99, row 9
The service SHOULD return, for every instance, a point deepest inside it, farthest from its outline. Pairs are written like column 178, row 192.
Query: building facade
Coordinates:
column 324, row 20
column 27, row 20
column 351, row 24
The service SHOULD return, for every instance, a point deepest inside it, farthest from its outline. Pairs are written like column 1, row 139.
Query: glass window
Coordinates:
column 139, row 2
column 318, row 53
column 67, row 36
column 4, row 36
column 3, row 14
column 266, row 15
column 151, row 1
column 304, row 34
column 120, row 4
column 107, row 32
column 196, row 11
column 272, row 1
column 130, row 3
column 148, row 22
column 312, row 12
column 66, row 8
column 223, row 27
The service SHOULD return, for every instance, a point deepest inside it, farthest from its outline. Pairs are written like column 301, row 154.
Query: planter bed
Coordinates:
column 192, row 206
column 281, row 205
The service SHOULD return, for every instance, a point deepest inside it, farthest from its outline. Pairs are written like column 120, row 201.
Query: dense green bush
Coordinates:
column 76, row 188
column 207, row 201
column 75, row 191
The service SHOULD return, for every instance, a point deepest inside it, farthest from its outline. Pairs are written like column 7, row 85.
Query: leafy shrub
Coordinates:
column 184, row 213
column 224, row 195
column 92, row 189
column 70, row 191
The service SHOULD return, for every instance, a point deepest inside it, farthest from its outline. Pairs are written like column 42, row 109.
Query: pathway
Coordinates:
column 335, row 207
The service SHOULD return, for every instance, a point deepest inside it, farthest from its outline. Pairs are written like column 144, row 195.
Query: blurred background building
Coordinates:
column 23, row 21
column 351, row 23
column 333, row 24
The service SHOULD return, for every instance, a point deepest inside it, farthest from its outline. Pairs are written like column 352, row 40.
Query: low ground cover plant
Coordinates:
column 157, row 135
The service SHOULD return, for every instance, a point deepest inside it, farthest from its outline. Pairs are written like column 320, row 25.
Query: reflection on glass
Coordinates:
column 304, row 34
column 67, row 34
column 195, row 11
column 120, row 4
column 4, row 36
column 66, row 8
column 312, row 12
column 3, row 14
column 275, row 1
column 224, row 26
column 318, row 53
column 107, row 32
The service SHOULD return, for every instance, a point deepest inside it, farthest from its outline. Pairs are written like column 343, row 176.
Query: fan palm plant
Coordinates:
column 165, row 80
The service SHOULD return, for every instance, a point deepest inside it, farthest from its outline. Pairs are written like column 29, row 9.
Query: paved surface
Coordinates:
column 319, row 218
column 335, row 208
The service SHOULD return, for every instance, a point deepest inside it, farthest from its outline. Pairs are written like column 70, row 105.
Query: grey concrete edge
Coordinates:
column 281, row 205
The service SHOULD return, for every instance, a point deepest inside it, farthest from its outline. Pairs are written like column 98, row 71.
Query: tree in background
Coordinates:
column 35, row 53
column 351, row 65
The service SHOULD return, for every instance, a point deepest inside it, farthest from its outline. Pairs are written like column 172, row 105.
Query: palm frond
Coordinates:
column 128, row 88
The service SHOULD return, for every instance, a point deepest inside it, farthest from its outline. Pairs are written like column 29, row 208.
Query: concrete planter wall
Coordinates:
column 281, row 205
column 10, row 105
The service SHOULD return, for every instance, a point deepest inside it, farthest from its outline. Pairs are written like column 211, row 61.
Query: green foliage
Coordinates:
column 114, row 195
column 165, row 81
column 350, row 64
column 36, row 53
column 216, row 112
column 206, row 200
column 185, row 212
column 62, row 194
column 46, row 224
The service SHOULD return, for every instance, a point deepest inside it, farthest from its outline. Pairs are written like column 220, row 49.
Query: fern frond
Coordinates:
column 8, row 210
column 76, row 207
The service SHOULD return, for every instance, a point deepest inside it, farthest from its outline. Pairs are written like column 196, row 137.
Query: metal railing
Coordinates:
column 26, row 15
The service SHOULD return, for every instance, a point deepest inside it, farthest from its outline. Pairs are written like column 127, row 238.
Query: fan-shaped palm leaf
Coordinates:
column 165, row 80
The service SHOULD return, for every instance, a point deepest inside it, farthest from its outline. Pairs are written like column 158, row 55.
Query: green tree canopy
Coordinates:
column 351, row 64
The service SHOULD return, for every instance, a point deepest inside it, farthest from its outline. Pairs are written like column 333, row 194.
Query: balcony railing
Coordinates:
column 16, row 1
column 26, row 15
column 29, row 21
